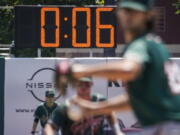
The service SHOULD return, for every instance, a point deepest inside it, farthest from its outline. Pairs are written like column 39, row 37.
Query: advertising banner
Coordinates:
column 27, row 79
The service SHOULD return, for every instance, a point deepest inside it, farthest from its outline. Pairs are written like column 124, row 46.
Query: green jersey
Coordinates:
column 43, row 113
column 89, row 126
column 150, row 95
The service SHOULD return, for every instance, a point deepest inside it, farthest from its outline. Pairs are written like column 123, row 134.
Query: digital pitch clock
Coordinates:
column 65, row 27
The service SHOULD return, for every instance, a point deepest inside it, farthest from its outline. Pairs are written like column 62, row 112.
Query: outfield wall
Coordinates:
column 24, row 81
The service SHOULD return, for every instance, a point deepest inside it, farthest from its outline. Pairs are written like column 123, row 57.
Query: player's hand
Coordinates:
column 64, row 76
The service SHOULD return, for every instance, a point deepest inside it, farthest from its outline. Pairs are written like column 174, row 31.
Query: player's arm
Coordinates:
column 119, row 103
column 34, row 127
column 126, row 69
column 122, row 69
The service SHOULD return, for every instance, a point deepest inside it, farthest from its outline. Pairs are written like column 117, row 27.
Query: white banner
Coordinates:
column 26, row 81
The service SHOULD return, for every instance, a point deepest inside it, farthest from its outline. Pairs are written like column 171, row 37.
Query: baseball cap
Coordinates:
column 50, row 93
column 85, row 79
column 140, row 5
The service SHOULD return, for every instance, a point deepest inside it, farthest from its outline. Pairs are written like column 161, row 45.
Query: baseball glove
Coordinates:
column 64, row 76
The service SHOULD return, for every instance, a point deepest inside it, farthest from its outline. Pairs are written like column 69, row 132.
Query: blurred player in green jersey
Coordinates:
column 152, row 80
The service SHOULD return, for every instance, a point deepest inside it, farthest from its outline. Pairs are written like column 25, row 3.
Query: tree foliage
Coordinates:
column 177, row 6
